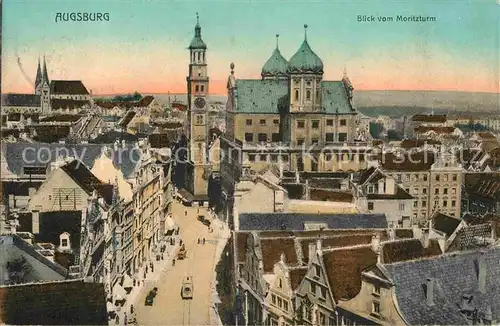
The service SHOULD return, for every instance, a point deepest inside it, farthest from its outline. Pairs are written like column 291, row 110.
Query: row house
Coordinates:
column 433, row 179
column 148, row 202
column 481, row 193
column 304, row 277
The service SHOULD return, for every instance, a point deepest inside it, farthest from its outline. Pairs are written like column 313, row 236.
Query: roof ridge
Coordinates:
column 346, row 248
column 44, row 282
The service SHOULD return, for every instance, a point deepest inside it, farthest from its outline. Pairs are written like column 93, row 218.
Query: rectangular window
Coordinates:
column 315, row 124
column 301, row 124
column 329, row 137
column 453, row 191
column 285, row 305
column 425, row 177
column 263, row 158
column 274, row 158
column 323, row 292
column 415, row 204
column 445, row 191
column 262, row 122
column 251, row 157
column 314, row 141
column 445, row 177
column 370, row 206
column 280, row 302
column 437, row 177
column 401, row 206
column 197, row 88
column 329, row 122
column 249, row 122
column 317, row 270
column 300, row 141
column 276, row 122
column 376, row 307
column 249, row 137
column 453, row 203
column 424, row 191
column 342, row 136
column 415, row 191
column 262, row 137
column 424, row 203
column 376, row 289
column 328, row 156
column 436, row 191
column 454, row 177
column 202, row 88
column 273, row 298
column 275, row 137
column 313, row 288
column 284, row 158
column 343, row 122
column 445, row 203
column 199, row 119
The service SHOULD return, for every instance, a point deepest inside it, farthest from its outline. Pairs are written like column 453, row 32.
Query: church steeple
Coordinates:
column 197, row 43
column 38, row 78
column 45, row 75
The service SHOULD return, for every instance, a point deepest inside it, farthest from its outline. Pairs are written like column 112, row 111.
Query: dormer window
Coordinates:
column 308, row 95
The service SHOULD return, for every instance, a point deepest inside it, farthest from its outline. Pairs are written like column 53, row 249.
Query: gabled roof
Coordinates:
column 38, row 154
column 436, row 129
column 415, row 143
column 54, row 303
column 70, row 87
column 50, row 134
column 408, row 249
column 145, row 101
column 87, row 180
column 261, row 96
column 127, row 118
column 111, row 136
column 25, row 100
column 58, row 103
column 333, row 196
column 343, row 268
column 455, row 275
column 297, row 274
column 296, row 221
column 400, row 194
column 444, row 223
column 272, row 249
column 61, row 118
column 163, row 140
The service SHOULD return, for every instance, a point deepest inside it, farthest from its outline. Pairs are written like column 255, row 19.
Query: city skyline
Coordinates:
column 456, row 52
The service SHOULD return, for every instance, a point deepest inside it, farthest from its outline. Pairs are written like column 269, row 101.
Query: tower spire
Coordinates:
column 38, row 78
column 45, row 75
column 345, row 72
column 305, row 32
column 197, row 19
column 277, row 41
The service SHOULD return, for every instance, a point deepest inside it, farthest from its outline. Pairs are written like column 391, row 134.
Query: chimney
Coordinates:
column 281, row 171
column 318, row 245
column 376, row 243
column 297, row 177
column 429, row 295
column 312, row 251
column 308, row 192
column 35, row 217
column 282, row 257
column 481, row 278
column 425, row 238
column 392, row 233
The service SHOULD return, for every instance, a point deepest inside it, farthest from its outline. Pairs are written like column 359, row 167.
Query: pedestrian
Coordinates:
column 146, row 270
column 162, row 256
column 131, row 308
column 198, row 211
column 125, row 320
column 152, row 269
column 203, row 240
column 198, row 240
column 134, row 281
column 145, row 274
column 117, row 319
column 185, row 213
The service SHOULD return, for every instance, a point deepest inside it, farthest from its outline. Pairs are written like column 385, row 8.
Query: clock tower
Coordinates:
column 197, row 126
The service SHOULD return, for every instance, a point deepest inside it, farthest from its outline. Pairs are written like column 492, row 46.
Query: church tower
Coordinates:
column 42, row 86
column 197, row 127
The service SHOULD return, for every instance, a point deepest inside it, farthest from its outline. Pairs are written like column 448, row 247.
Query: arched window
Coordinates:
column 199, row 56
column 308, row 95
column 203, row 56
column 296, row 95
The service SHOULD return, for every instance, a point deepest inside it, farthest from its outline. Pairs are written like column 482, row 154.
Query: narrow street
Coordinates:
column 168, row 307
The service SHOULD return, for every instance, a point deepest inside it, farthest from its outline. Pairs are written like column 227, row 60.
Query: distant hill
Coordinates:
column 398, row 103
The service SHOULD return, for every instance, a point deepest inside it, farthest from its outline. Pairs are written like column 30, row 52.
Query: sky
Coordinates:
column 143, row 46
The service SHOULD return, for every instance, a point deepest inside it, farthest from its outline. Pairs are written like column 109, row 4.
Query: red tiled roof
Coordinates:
column 336, row 242
column 403, row 250
column 61, row 118
column 429, row 118
column 436, row 129
column 54, row 303
column 404, row 233
column 272, row 250
column 421, row 161
column 296, row 276
column 72, row 87
column 179, row 106
column 334, row 196
column 415, row 143
column 343, row 268
column 145, row 101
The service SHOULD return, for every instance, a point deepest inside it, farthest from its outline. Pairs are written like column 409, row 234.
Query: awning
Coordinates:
column 169, row 223
column 118, row 292
column 127, row 281
column 110, row 306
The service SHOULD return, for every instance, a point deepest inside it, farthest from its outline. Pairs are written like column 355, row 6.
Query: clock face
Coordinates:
column 199, row 102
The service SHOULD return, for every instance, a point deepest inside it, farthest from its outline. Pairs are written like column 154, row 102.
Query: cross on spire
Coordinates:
column 277, row 41
column 305, row 31
column 197, row 18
